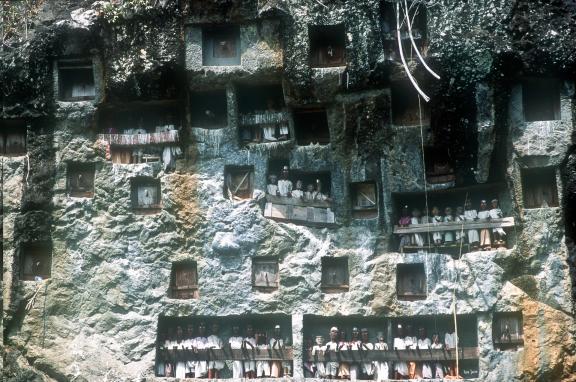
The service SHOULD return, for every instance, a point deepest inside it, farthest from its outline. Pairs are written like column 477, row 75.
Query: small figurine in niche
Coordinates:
column 272, row 187
column 436, row 219
column 214, row 342
column 381, row 367
column 269, row 129
column 426, row 219
column 450, row 339
column 180, row 344
column 400, row 367
column 355, row 344
column 309, row 367
column 424, row 343
column 331, row 366
column 448, row 218
column 438, row 368
column 506, row 336
column 484, row 214
column 367, row 367
column 262, row 367
column 411, row 342
column 318, row 348
column 318, row 194
column 298, row 193
column 471, row 215
column 343, row 367
column 236, row 342
column 190, row 343
column 309, row 193
column 200, row 342
column 169, row 343
column 249, row 342
column 499, row 234
column 285, row 184
column 276, row 342
column 460, row 218
column 417, row 238
column 405, row 220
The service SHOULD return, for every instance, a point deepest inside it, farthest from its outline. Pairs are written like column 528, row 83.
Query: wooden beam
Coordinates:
column 456, row 226
column 225, row 354
column 393, row 355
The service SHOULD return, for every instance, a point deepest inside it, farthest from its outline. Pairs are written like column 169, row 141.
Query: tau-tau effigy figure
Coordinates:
column 298, row 193
column 471, row 215
column 424, row 343
column 381, row 367
column 400, row 367
column 499, row 234
column 367, row 367
column 272, row 187
column 417, row 238
column 180, row 344
column 484, row 214
column 278, row 368
column 410, row 342
column 269, row 129
column 354, row 345
column 343, row 367
column 249, row 342
column 190, row 343
column 460, row 218
column 236, row 342
column 319, row 367
column 285, row 184
column 436, row 219
column 200, row 343
column 436, row 344
column 262, row 367
column 214, row 342
column 448, row 218
column 331, row 366
column 405, row 220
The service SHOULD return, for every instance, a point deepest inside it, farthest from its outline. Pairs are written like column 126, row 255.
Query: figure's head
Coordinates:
column 215, row 328
column 436, row 338
column 310, row 187
column 381, row 337
column 405, row 211
column 342, row 335
column 364, row 334
column 318, row 185
column 355, row 333
column 422, row 332
column 190, row 330
column 319, row 340
column 333, row 333
column 408, row 330
column 448, row 211
column 277, row 330
column 416, row 213
column 468, row 204
column 273, row 179
column 179, row 331
column 298, row 184
column 399, row 331
column 494, row 203
column 235, row 329
column 285, row 172
column 435, row 211
column 459, row 210
column 483, row 205
column 249, row 330
column 202, row 329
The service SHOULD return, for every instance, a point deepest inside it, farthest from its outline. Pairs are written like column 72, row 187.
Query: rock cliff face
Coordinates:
column 98, row 315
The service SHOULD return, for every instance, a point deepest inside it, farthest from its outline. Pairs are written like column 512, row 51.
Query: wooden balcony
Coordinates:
column 171, row 136
column 225, row 354
column 456, row 226
column 264, row 118
column 393, row 355
column 299, row 211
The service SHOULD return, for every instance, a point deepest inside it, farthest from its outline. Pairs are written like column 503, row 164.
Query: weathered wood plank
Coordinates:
column 394, row 355
column 456, row 226
column 226, row 354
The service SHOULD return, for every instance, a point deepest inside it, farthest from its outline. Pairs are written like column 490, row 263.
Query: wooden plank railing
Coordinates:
column 394, row 355
column 226, row 354
column 170, row 136
column 456, row 226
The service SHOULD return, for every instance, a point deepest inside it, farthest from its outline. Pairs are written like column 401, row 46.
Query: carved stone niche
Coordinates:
column 238, row 182
column 80, row 179
column 335, row 277
column 12, row 137
column 411, row 282
column 76, row 80
column 35, row 260
column 311, row 126
column 265, row 276
column 539, row 187
column 221, row 45
column 146, row 194
column 541, row 99
column 184, row 280
column 327, row 45
column 507, row 331
column 209, row 109
column 364, row 200
column 405, row 108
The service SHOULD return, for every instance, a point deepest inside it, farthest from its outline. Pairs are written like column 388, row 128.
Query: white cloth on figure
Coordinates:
column 400, row 367
column 472, row 215
column 201, row 367
column 269, row 131
column 214, row 342
column 262, row 367
column 331, row 367
column 272, row 189
column 237, row 369
column 354, row 369
column 283, row 129
column 285, row 187
column 448, row 235
column 450, row 340
column 496, row 213
column 460, row 233
column 410, row 342
column 368, row 367
column 298, row 194
column 320, row 368
column 438, row 368
column 426, row 367
column 381, row 367
column 417, row 238
column 250, row 365
column 435, row 221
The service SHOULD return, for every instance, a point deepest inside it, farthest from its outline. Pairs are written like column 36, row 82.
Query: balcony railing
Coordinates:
column 264, row 118
column 285, row 354
column 171, row 136
column 294, row 210
column 393, row 355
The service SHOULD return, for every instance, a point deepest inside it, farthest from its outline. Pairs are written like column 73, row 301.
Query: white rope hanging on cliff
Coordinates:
column 409, row 25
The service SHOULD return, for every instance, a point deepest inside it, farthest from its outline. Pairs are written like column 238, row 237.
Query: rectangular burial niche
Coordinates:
column 138, row 132
column 439, row 167
column 539, row 187
column 311, row 126
column 221, row 45
column 308, row 179
column 405, row 108
column 507, row 331
column 238, row 182
column 209, row 109
column 145, row 194
column 335, row 276
column 76, row 80
column 388, row 30
column 263, row 116
column 327, row 45
column 173, row 344
column 12, row 137
column 265, row 276
column 184, row 280
column 443, row 326
column 411, row 282
column 80, row 179
column 364, row 200
column 35, row 260
column 541, row 99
